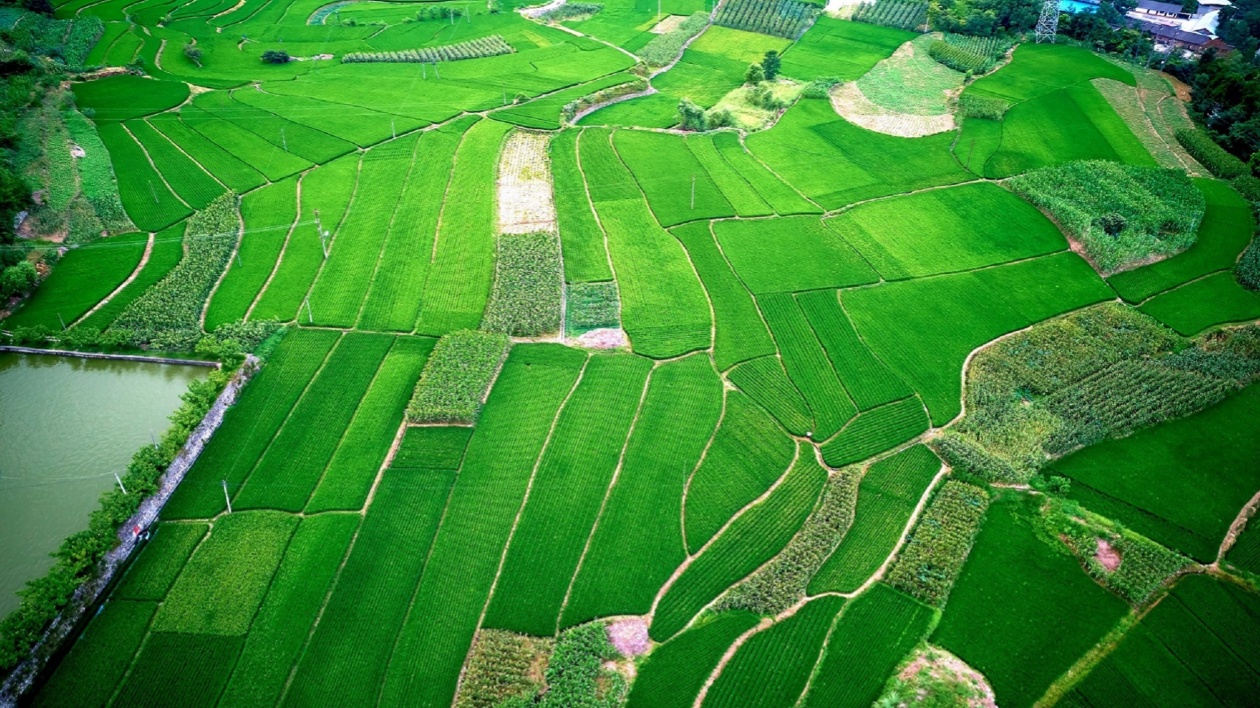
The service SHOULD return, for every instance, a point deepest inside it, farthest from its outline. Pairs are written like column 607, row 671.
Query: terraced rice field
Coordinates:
column 724, row 431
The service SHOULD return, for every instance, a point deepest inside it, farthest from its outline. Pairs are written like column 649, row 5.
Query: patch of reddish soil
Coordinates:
column 602, row 339
column 1107, row 556
column 630, row 636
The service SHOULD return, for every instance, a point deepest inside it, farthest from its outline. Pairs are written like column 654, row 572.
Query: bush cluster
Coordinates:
column 576, row 675
column 1121, row 213
column 490, row 46
column 1203, row 148
column 439, row 12
column 76, row 560
column 168, row 315
column 1102, row 372
column 903, row 14
column 499, row 666
column 528, row 286
column 932, row 558
column 778, row 18
column 665, row 48
column 456, row 377
column 783, row 581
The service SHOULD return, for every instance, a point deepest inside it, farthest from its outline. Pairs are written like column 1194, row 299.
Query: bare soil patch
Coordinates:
column 629, row 635
column 853, row 106
column 608, row 338
column 1107, row 556
column 667, row 25
column 524, row 187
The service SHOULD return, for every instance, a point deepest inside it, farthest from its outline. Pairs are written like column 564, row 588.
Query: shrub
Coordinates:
column 457, row 377
column 1121, row 213
column 272, row 56
column 973, row 106
column 691, row 116
column 576, row 675
column 1203, row 148
column 572, row 108
column 770, row 64
column 193, row 52
column 500, row 667
column 490, row 46
column 820, row 87
column 665, row 48
column 938, row 546
column 1248, row 269
column 570, row 10
column 18, row 279
column 591, row 306
column 754, row 75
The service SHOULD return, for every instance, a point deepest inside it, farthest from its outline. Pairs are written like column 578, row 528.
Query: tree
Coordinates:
column 193, row 52
column 754, row 75
column 272, row 56
column 770, row 65
column 692, row 115
column 17, row 279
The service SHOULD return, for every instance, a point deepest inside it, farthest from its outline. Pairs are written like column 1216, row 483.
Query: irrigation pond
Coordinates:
column 66, row 425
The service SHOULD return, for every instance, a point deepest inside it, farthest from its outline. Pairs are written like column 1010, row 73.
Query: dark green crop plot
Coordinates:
column 1180, row 483
column 151, row 575
column 1023, row 610
column 180, row 669
column 95, row 666
column 873, row 634
column 675, row 672
column 82, row 278
column 887, row 496
column 773, row 667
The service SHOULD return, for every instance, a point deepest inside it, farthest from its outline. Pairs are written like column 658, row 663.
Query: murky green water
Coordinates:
column 66, row 425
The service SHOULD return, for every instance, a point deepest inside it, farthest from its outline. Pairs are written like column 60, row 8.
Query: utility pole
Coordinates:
column 1048, row 23
column 310, row 318
column 238, row 259
column 971, row 150
column 284, row 140
column 63, row 322
column 323, row 242
column 693, row 191
column 392, row 129
column 436, row 73
column 424, row 71
column 227, row 498
column 120, row 484
column 153, row 438
column 153, row 192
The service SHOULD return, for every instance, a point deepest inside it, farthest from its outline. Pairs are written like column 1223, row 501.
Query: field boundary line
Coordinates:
column 1095, row 655
column 319, row 616
column 345, row 214
column 1237, row 527
column 763, row 625
column 772, row 171
column 612, row 483
column 389, row 233
column 590, row 203
column 756, row 306
column 180, row 148
column 822, row 653
column 284, row 247
column 727, row 386
column 305, row 390
column 739, row 513
column 342, row 439
column 234, row 255
column 507, row 544
column 135, row 273
column 437, row 230
column 152, row 164
column 232, row 97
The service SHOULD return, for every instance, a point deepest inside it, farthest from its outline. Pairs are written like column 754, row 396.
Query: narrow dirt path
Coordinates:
column 144, row 260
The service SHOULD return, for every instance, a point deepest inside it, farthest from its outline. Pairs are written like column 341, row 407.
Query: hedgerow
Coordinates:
column 1099, row 373
column 1122, row 214
column 778, row 18
column 490, row 46
column 938, row 546
column 528, row 286
column 903, row 14
column 783, row 581
column 76, row 559
column 572, row 108
column 96, row 174
column 457, row 377
column 1144, row 564
column 664, row 48
column 168, row 315
column 1203, row 148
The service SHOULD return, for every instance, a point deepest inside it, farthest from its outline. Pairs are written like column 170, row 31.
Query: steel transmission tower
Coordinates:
column 1048, row 23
